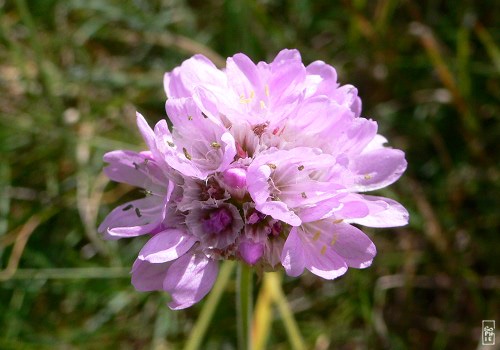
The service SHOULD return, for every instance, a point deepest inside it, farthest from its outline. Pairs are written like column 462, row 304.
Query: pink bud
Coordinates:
column 251, row 252
column 235, row 177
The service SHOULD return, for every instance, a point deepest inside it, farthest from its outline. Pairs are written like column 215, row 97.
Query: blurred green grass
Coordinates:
column 72, row 74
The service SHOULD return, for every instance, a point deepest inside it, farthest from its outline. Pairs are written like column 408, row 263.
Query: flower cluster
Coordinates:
column 264, row 163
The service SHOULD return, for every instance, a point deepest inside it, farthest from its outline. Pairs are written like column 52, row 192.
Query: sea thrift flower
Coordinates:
column 265, row 163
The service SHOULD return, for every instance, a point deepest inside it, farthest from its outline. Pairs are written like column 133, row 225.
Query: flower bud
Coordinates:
column 251, row 252
column 235, row 178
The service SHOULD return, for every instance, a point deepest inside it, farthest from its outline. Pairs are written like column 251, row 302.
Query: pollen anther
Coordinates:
column 247, row 100
column 186, row 154
column 128, row 207
column 316, row 236
column 323, row 250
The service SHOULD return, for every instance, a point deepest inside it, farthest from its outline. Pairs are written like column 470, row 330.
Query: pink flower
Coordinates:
column 265, row 163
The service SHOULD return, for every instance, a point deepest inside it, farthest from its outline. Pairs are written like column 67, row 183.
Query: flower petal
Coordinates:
column 359, row 133
column 156, row 140
column 146, row 131
column 377, row 169
column 136, row 169
column 243, row 76
column 320, row 257
column 292, row 256
column 321, row 79
column 218, row 103
column 147, row 276
column 319, row 117
column 189, row 279
column 281, row 179
column 279, row 211
column 324, row 263
column 171, row 156
column 124, row 167
column 257, row 182
column 383, row 212
column 166, row 246
column 173, row 85
column 287, row 56
column 353, row 245
column 347, row 95
column 134, row 218
column 193, row 72
column 200, row 146
column 330, row 247
column 285, row 84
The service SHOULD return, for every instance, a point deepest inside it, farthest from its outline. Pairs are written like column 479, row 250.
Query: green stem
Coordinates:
column 291, row 327
column 244, row 306
column 200, row 328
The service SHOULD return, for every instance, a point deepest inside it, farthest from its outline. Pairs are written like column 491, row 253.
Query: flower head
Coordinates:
column 265, row 163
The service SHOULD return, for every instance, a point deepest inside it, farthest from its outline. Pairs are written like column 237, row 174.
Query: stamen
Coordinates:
column 338, row 221
column 272, row 166
column 147, row 192
column 260, row 128
column 274, row 197
column 303, row 194
column 190, row 118
column 215, row 145
column 316, row 236
column 367, row 176
column 138, row 212
column 136, row 166
column 266, row 88
column 204, row 115
column 247, row 100
column 275, row 189
column 300, row 167
column 282, row 130
column 186, row 154
column 240, row 152
column 262, row 105
column 323, row 250
column 128, row 207
column 334, row 239
column 171, row 144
